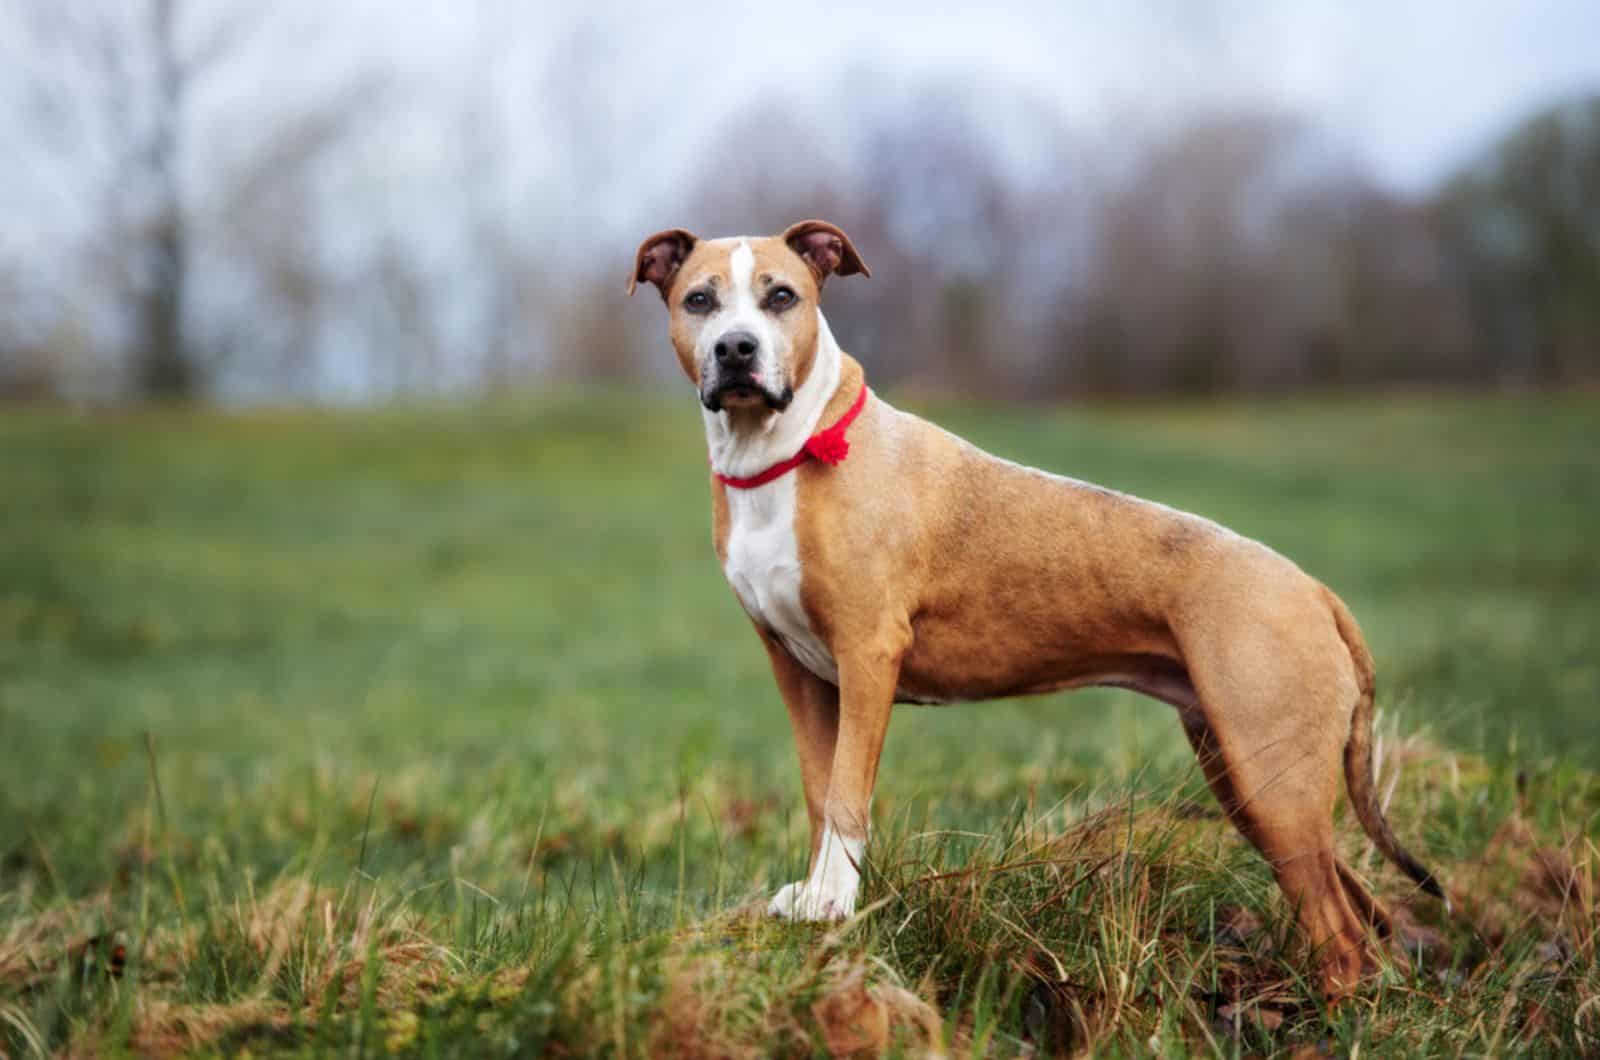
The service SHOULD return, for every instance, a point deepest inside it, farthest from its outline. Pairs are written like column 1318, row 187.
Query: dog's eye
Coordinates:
column 697, row 302
column 781, row 298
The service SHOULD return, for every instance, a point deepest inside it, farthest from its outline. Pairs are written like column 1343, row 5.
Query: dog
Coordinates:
column 883, row 560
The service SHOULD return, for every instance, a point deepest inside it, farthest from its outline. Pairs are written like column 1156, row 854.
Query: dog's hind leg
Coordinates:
column 1291, row 824
column 1274, row 714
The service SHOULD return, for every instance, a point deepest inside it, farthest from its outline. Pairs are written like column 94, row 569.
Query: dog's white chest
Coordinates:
column 763, row 566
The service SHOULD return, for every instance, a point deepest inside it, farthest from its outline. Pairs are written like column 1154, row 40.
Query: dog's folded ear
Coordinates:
column 659, row 257
column 825, row 248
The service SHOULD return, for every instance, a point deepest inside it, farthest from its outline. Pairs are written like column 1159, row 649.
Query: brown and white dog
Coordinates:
column 921, row 569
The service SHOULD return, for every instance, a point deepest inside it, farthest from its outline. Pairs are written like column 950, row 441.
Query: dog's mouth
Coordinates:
column 745, row 393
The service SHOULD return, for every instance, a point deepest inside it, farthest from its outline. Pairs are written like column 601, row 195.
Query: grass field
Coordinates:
column 436, row 730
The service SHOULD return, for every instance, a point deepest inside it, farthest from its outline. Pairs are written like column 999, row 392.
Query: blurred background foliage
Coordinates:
column 227, row 201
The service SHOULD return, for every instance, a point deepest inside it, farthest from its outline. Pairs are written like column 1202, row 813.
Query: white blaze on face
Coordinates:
column 743, row 264
column 740, row 311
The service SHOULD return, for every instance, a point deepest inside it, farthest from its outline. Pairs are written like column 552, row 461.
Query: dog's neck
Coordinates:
column 742, row 445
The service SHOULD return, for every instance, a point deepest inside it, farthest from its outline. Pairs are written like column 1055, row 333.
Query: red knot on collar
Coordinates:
column 828, row 445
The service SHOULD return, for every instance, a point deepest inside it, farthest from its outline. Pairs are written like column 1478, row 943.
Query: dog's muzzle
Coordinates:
column 733, row 373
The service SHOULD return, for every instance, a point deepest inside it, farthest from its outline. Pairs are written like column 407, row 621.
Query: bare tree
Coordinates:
column 1522, row 226
column 599, row 144
column 112, row 91
column 164, row 365
column 261, row 223
column 114, row 82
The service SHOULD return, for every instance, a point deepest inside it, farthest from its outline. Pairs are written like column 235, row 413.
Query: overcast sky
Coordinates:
column 1411, row 86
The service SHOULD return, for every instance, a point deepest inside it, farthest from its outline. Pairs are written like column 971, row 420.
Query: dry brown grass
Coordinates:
column 1131, row 926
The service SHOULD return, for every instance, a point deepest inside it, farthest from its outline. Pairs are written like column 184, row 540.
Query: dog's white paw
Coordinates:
column 830, row 891
column 783, row 903
column 804, row 900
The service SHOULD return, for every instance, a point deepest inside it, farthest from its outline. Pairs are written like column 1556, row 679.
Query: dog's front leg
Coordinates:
column 867, row 679
column 813, row 706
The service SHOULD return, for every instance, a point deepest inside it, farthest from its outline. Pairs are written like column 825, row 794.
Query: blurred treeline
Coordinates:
column 204, row 243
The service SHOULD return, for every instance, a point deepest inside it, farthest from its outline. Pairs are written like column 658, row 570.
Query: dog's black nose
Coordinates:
column 737, row 349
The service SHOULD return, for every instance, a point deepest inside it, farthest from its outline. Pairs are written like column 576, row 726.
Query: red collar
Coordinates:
column 828, row 445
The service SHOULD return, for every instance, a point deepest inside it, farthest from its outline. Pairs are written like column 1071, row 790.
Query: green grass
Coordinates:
column 457, row 742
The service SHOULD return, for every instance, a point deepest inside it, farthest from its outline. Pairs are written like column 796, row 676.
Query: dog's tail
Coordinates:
column 1358, row 756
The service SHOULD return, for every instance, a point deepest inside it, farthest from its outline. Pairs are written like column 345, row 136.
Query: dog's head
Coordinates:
column 744, row 310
